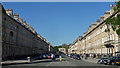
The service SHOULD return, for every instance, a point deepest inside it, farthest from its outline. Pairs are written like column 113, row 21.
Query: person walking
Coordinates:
column 53, row 57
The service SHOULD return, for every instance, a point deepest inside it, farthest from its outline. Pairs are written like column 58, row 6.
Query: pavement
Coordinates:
column 92, row 60
column 17, row 62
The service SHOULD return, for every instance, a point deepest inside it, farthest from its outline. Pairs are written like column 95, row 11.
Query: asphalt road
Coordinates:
column 66, row 62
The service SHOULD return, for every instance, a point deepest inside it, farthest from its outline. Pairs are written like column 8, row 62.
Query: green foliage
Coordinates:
column 108, row 21
column 56, row 47
column 117, row 6
column 65, row 46
column 62, row 46
column 114, row 28
column 118, row 32
column 114, row 21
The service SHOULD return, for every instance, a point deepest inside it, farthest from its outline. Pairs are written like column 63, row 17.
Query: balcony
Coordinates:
column 110, row 43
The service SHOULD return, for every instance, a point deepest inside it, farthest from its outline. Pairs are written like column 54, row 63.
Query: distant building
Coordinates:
column 62, row 50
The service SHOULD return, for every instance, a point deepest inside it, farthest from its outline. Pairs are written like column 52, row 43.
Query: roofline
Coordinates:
column 35, row 34
column 101, row 23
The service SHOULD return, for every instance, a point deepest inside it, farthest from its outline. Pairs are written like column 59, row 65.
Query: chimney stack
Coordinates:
column 39, row 36
column 106, row 14
column 9, row 11
column 32, row 29
column 101, row 18
column 98, row 22
column 84, row 34
column 24, row 23
column 93, row 23
column 16, row 16
column 27, row 25
column 112, row 9
column 21, row 20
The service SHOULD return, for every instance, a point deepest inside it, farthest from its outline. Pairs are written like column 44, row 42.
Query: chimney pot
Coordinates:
column 106, row 14
column 9, row 11
column 24, row 22
column 21, row 20
column 98, row 21
column 16, row 16
column 101, row 18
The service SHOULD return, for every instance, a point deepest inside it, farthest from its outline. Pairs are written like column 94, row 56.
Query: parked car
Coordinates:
column 101, row 61
column 40, row 57
column 44, row 56
column 110, row 60
column 77, row 57
column 49, row 56
column 117, row 61
column 56, row 56
column 72, row 55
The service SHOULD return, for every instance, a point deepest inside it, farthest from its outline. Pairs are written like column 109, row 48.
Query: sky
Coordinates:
column 59, row 22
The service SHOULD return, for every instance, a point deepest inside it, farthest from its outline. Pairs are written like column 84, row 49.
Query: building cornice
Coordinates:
column 101, row 23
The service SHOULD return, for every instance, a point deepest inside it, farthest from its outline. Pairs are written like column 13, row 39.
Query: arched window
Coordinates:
column 11, row 34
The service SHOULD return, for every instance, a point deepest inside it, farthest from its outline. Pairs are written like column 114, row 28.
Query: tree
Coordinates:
column 62, row 46
column 65, row 46
column 57, row 47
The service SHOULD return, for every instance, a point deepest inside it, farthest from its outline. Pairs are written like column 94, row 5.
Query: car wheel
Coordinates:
column 105, row 63
column 112, row 63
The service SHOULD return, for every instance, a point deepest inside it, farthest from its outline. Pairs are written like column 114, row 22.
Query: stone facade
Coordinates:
column 19, row 39
column 93, row 40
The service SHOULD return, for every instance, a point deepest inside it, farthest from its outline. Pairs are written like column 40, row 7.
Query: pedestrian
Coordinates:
column 82, row 55
column 52, row 57
column 60, row 58
column 29, row 59
column 90, row 55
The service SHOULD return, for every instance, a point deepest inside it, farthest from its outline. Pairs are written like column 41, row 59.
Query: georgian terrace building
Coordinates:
column 19, row 39
column 93, row 40
column 75, row 47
